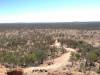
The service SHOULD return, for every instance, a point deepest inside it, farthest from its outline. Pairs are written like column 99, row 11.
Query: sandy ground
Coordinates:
column 58, row 62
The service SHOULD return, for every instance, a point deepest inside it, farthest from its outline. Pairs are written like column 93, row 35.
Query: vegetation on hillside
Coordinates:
column 88, row 54
column 31, row 47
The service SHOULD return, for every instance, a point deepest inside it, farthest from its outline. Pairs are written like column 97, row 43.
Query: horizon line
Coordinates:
column 47, row 22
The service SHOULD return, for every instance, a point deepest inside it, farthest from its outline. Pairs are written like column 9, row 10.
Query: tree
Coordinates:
column 91, row 56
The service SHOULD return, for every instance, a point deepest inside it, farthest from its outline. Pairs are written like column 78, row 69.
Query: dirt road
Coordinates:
column 58, row 62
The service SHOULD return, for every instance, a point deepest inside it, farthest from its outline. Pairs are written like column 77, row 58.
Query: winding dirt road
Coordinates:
column 58, row 62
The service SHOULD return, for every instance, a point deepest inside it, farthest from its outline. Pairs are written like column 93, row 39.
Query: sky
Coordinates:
column 49, row 10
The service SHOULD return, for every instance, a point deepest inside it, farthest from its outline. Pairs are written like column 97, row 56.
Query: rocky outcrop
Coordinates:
column 3, row 70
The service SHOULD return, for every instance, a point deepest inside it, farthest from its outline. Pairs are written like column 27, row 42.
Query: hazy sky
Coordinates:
column 49, row 10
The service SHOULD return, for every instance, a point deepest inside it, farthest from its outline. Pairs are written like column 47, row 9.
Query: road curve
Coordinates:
column 58, row 62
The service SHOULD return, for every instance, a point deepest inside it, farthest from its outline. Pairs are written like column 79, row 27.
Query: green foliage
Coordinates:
column 30, row 58
column 75, row 56
column 88, row 53
column 92, row 56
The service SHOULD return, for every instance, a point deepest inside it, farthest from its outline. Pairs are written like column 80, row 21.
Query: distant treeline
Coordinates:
column 59, row 25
